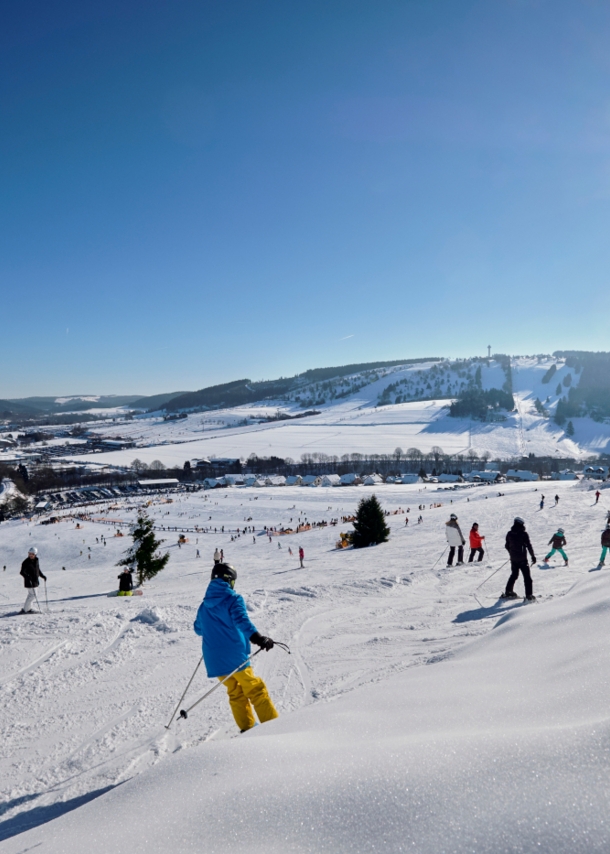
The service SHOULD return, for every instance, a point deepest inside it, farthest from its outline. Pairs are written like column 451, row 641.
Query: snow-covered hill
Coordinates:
column 369, row 420
column 412, row 716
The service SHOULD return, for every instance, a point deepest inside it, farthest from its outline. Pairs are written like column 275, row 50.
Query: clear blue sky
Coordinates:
column 194, row 192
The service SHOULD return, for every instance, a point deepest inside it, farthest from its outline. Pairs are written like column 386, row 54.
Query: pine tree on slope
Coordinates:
column 142, row 556
column 369, row 526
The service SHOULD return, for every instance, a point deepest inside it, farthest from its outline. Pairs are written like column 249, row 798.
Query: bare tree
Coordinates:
column 437, row 452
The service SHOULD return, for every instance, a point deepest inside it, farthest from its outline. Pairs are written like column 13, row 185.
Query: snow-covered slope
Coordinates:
column 503, row 748
column 374, row 420
column 413, row 717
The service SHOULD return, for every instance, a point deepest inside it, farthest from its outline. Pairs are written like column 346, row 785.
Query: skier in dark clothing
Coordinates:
column 518, row 545
column 556, row 500
column 597, row 496
column 125, row 582
column 30, row 570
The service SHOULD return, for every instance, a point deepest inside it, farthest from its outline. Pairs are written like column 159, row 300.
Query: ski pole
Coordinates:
column 184, row 712
column 36, row 598
column 492, row 574
column 46, row 595
column 440, row 556
column 167, row 726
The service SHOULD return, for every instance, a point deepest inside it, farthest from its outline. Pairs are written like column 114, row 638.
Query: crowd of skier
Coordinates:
column 227, row 632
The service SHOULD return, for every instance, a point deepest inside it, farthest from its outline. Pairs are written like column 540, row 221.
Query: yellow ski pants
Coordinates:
column 246, row 690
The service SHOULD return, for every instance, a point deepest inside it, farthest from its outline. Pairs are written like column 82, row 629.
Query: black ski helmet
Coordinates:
column 226, row 572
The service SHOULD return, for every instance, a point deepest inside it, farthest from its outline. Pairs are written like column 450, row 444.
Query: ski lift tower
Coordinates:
column 489, row 351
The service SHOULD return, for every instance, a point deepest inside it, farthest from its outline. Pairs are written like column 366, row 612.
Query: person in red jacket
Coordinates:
column 476, row 543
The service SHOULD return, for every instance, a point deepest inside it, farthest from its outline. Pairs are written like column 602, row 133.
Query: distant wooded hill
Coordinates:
column 239, row 392
column 591, row 396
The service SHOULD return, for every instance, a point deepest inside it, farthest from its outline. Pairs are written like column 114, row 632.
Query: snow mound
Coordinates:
column 153, row 617
column 502, row 748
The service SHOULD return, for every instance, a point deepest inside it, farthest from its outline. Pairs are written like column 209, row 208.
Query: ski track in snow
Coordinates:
column 88, row 688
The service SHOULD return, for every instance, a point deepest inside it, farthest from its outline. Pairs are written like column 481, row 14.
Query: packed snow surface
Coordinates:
column 413, row 716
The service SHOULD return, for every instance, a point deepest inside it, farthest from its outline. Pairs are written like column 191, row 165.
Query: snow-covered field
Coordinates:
column 412, row 716
column 359, row 424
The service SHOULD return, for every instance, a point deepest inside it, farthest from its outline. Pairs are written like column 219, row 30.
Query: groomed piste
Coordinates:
column 412, row 717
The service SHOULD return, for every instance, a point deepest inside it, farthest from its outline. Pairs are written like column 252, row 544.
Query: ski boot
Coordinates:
column 511, row 595
column 530, row 598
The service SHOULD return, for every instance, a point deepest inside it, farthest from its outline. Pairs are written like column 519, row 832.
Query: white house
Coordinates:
column 487, row 476
column 350, row 479
column 520, row 474
column 331, row 480
column 595, row 472
column 409, row 478
column 259, row 482
column 372, row 480
column 566, row 474
column 310, row 480
column 293, row 480
column 210, row 483
column 450, row 478
column 275, row 480
column 233, row 479
column 250, row 479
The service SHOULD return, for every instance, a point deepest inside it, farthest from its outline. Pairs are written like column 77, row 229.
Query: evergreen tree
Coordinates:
column 560, row 412
column 570, row 428
column 369, row 526
column 142, row 556
column 558, row 389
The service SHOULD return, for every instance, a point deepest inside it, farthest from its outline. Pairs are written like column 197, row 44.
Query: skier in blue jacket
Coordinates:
column 226, row 631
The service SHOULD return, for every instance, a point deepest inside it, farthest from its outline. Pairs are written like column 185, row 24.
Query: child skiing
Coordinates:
column 605, row 544
column 30, row 570
column 558, row 541
column 455, row 539
column 476, row 543
column 226, row 631
column 518, row 545
column 301, row 556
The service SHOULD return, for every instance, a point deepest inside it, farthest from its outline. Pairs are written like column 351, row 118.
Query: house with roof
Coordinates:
column 310, row 480
column 330, row 480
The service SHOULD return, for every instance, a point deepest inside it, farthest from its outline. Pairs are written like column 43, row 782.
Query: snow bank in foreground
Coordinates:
column 503, row 748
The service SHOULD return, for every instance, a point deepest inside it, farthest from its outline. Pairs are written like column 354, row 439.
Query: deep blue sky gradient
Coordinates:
column 193, row 192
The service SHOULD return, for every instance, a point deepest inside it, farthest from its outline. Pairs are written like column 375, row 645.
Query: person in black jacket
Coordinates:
column 518, row 545
column 125, row 582
column 30, row 570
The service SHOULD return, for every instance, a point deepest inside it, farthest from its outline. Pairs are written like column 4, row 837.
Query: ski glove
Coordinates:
column 262, row 641
column 43, row 576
